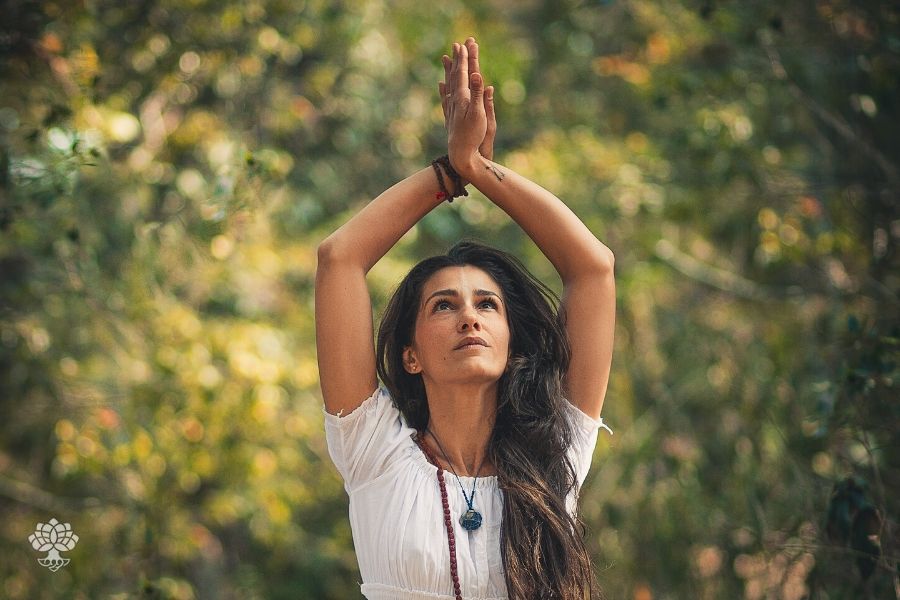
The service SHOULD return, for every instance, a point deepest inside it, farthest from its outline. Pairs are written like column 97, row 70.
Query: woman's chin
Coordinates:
column 468, row 372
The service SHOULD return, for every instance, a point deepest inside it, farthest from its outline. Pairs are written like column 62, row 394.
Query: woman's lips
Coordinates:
column 471, row 341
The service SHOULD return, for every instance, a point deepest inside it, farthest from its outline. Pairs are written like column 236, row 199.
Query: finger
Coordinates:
column 442, row 91
column 475, row 109
column 448, row 64
column 489, row 110
column 476, row 85
column 446, row 86
column 454, row 69
column 487, row 144
column 472, row 47
column 462, row 72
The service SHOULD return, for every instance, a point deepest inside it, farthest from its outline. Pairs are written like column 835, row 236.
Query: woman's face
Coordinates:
column 459, row 303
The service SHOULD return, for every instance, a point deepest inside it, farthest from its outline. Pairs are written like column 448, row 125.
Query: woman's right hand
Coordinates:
column 468, row 106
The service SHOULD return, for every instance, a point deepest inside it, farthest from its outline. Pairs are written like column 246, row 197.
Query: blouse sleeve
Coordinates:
column 362, row 443
column 584, row 439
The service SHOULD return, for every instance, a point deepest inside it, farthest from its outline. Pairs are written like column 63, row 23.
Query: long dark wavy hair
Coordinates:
column 541, row 543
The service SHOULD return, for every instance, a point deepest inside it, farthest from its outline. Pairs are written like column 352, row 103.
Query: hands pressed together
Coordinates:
column 468, row 107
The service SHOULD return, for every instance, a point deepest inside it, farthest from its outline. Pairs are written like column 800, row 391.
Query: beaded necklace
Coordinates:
column 451, row 539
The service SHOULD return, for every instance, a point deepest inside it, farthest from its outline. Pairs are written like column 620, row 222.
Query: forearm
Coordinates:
column 563, row 238
column 374, row 230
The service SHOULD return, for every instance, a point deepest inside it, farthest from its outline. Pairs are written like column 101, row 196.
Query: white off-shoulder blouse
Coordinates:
column 395, row 507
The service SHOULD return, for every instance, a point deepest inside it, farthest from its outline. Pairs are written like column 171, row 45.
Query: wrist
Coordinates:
column 450, row 182
column 467, row 166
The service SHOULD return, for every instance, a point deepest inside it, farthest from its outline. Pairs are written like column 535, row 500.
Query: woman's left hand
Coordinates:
column 468, row 107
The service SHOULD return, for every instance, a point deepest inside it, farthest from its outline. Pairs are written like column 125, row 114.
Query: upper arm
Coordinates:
column 589, row 313
column 344, row 332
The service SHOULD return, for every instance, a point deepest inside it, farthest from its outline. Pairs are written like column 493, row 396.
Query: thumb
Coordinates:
column 476, row 84
column 489, row 102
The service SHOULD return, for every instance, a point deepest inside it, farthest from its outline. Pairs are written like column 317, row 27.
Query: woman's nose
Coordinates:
column 469, row 318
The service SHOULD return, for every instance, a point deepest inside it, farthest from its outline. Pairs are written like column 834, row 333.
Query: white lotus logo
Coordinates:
column 56, row 537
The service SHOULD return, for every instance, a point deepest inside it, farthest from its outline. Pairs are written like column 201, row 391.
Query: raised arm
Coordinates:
column 344, row 329
column 584, row 264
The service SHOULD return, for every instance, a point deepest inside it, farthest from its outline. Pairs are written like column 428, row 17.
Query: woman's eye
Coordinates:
column 441, row 303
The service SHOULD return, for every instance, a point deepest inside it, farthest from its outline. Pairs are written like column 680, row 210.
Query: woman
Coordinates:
column 463, row 468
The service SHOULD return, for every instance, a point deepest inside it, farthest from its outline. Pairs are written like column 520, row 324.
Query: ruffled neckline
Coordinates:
column 421, row 461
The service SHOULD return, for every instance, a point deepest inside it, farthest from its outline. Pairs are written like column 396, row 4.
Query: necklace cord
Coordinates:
column 445, row 503
column 471, row 497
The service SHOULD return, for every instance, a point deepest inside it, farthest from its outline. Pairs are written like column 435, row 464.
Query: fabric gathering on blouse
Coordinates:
column 395, row 506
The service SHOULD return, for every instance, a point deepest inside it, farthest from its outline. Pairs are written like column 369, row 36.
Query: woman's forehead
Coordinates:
column 465, row 279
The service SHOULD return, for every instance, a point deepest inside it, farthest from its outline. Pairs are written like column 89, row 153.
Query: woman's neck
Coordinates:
column 462, row 420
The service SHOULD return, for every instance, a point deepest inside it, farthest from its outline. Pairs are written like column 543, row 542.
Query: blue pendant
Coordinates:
column 470, row 520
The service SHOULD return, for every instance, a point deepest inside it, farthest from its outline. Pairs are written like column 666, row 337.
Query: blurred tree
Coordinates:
column 167, row 169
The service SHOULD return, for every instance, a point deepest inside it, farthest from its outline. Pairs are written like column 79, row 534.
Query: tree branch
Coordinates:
column 720, row 279
column 834, row 121
column 25, row 493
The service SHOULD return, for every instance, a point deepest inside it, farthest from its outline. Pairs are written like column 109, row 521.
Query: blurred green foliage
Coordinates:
column 168, row 167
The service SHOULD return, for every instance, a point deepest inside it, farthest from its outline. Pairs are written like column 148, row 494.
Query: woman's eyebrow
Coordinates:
column 487, row 293
column 454, row 293
column 447, row 292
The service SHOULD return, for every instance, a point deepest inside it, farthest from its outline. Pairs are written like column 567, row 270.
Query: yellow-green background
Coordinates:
column 167, row 169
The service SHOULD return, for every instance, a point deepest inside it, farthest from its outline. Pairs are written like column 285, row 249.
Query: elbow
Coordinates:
column 329, row 252
column 325, row 251
column 610, row 257
column 332, row 253
column 603, row 259
column 595, row 264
